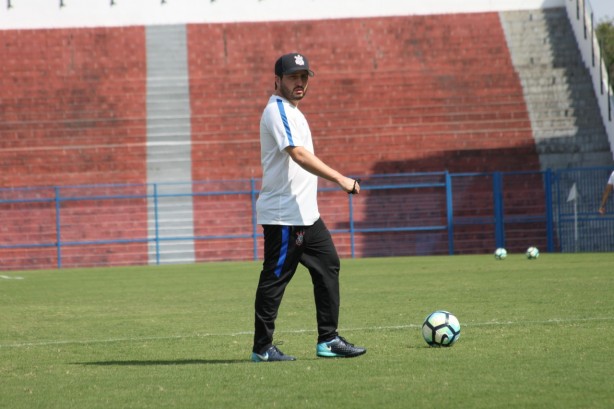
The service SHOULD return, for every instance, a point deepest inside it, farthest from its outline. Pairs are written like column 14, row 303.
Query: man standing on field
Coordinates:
column 287, row 209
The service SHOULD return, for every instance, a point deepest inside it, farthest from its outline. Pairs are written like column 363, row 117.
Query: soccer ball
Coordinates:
column 532, row 253
column 500, row 253
column 441, row 329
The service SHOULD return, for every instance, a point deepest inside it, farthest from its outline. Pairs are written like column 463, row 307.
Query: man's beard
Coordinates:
column 289, row 95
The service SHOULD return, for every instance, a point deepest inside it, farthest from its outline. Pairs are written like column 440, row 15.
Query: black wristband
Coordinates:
column 353, row 191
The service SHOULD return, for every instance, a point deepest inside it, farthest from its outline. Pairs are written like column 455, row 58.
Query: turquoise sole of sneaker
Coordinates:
column 324, row 352
column 328, row 355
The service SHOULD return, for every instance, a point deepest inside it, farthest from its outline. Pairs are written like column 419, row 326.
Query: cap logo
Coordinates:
column 298, row 59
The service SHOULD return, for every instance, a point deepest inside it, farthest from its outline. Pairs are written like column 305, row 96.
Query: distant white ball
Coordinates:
column 500, row 253
column 441, row 329
column 532, row 253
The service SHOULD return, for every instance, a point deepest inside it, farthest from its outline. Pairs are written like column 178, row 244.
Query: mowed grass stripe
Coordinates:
column 553, row 321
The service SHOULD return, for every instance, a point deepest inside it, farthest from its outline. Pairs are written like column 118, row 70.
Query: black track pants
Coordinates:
column 284, row 248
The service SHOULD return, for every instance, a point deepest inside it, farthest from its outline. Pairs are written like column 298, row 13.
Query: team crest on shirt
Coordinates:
column 298, row 59
column 300, row 238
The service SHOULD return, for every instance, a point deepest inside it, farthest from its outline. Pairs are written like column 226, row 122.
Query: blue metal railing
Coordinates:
column 524, row 207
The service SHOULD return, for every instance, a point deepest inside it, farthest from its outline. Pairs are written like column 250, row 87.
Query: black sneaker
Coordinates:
column 271, row 355
column 338, row 347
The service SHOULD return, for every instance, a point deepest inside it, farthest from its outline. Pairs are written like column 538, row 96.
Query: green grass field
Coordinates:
column 535, row 334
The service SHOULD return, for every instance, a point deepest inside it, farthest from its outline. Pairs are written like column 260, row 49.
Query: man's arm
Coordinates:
column 604, row 198
column 311, row 163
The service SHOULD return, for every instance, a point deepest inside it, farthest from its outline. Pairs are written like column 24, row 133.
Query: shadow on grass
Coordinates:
column 165, row 362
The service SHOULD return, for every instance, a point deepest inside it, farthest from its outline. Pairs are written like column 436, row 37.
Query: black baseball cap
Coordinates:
column 289, row 63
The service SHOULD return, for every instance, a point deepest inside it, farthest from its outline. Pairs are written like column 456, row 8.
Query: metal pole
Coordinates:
column 577, row 9
column 584, row 17
column 549, row 212
column 157, row 223
column 609, row 103
column 449, row 213
column 254, row 196
column 498, row 205
column 58, row 228
column 592, row 40
column 352, row 242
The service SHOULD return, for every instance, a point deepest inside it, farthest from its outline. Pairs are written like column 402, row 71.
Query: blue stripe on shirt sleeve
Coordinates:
column 284, row 119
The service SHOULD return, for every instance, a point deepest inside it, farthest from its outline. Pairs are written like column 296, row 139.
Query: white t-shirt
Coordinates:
column 289, row 193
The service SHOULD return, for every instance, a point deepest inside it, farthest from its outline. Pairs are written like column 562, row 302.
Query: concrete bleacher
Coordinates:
column 566, row 122
column 399, row 94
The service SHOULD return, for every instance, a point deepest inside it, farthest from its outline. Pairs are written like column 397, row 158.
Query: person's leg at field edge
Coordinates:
column 279, row 266
column 322, row 260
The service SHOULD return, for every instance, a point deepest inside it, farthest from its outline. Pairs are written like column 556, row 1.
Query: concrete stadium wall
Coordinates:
column 404, row 93
column 28, row 14
column 73, row 106
column 391, row 94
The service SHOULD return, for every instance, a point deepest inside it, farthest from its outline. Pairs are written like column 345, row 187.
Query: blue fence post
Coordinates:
column 156, row 222
column 449, row 213
column 351, row 210
column 549, row 211
column 497, row 182
column 254, row 197
column 58, row 227
column 561, row 232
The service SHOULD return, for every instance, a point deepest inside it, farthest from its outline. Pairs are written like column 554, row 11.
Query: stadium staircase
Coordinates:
column 565, row 118
column 169, row 153
column 567, row 124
